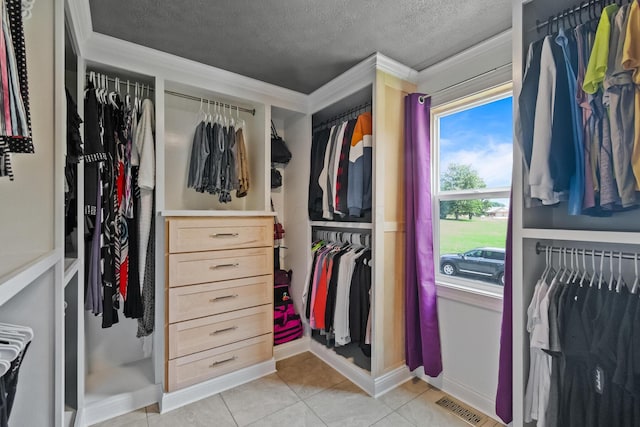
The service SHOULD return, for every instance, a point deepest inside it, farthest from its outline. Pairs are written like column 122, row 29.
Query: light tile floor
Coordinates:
column 305, row 392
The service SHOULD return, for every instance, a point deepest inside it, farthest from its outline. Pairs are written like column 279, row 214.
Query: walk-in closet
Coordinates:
column 193, row 209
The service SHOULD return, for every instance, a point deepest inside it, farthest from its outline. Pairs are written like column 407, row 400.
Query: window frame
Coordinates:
column 462, row 104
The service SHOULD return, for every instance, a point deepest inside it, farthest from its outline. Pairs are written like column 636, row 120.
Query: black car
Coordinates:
column 485, row 262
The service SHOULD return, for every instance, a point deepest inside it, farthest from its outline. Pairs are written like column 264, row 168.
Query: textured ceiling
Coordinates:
column 302, row 44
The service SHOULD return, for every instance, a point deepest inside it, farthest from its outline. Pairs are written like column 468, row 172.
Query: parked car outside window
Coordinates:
column 485, row 262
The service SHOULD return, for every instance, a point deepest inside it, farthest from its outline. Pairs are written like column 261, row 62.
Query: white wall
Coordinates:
column 469, row 323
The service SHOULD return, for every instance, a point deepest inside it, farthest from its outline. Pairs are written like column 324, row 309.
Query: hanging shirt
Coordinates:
column 342, row 179
column 631, row 61
column 360, row 158
column 334, row 161
column 323, row 178
column 599, row 59
column 146, row 178
column 620, row 97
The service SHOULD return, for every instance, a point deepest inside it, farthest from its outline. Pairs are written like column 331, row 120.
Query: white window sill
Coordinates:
column 484, row 296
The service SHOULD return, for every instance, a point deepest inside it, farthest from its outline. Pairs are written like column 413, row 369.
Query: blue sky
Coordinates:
column 481, row 137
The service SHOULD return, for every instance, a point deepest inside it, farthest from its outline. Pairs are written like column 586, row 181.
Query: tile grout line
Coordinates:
column 403, row 417
column 314, row 412
column 228, row 409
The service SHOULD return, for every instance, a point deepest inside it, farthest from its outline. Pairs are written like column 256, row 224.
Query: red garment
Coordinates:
column 320, row 306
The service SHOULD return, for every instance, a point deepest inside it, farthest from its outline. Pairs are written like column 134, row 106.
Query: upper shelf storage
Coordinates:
column 185, row 108
column 341, row 181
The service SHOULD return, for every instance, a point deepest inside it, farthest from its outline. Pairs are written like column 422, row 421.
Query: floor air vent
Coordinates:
column 460, row 411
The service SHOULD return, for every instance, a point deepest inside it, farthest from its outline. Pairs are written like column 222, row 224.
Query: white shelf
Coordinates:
column 68, row 416
column 71, row 266
column 582, row 235
column 17, row 271
column 216, row 213
column 338, row 224
column 119, row 390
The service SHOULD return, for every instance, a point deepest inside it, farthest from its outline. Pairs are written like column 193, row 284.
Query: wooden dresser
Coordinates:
column 219, row 297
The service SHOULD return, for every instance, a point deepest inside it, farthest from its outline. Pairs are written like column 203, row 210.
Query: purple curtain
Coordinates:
column 422, row 344
column 504, row 395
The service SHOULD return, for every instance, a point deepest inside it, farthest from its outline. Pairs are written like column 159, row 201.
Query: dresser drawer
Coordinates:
column 215, row 331
column 207, row 234
column 192, row 302
column 203, row 267
column 199, row 367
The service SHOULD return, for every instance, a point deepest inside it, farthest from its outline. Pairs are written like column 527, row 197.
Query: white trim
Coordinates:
column 113, row 406
column 78, row 14
column 338, row 224
column 103, row 49
column 620, row 237
column 395, row 68
column 177, row 399
column 485, row 404
column 472, row 296
column 481, row 193
column 353, row 373
column 357, row 77
column 286, row 350
column 23, row 275
column 391, row 380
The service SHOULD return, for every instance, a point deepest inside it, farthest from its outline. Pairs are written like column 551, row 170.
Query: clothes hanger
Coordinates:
column 601, row 268
column 611, row 280
column 547, row 266
column 8, row 353
column 26, row 330
column 593, row 267
column 584, row 267
column 620, row 282
column 636, row 282
column 4, row 367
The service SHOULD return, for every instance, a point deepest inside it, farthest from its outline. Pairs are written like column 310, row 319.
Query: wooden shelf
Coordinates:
column 582, row 235
column 215, row 213
column 337, row 224
column 71, row 266
column 17, row 271
column 119, row 390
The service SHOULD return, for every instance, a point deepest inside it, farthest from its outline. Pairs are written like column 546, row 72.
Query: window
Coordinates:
column 473, row 148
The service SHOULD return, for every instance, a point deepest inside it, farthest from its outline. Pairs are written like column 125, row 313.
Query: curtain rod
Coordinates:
column 208, row 101
column 540, row 248
column 470, row 79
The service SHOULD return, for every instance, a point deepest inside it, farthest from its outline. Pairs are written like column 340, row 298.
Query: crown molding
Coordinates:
column 355, row 78
column 103, row 49
column 395, row 68
column 490, row 47
column 78, row 16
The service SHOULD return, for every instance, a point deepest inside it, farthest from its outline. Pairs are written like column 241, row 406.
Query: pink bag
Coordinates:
column 287, row 325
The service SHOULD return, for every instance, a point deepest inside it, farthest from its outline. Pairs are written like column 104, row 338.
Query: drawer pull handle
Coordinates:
column 217, row 267
column 219, row 331
column 223, row 298
column 217, row 235
column 220, row 362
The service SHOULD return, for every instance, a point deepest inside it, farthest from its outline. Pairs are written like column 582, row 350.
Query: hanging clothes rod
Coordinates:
column 122, row 82
column 336, row 119
column 590, row 5
column 540, row 249
column 251, row 111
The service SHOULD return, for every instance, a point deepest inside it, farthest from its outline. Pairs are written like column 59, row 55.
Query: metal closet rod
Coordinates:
column 577, row 10
column 251, row 111
column 122, row 81
column 540, row 248
column 333, row 119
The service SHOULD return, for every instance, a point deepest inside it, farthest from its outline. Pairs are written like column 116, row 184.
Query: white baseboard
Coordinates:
column 463, row 393
column 391, row 380
column 121, row 404
column 179, row 398
column 286, row 350
column 353, row 373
